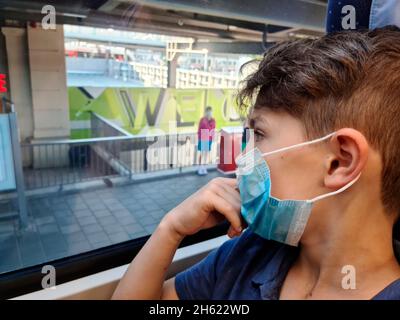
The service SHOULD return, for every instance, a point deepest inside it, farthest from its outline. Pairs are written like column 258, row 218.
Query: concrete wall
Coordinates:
column 37, row 81
column 19, row 84
column 3, row 66
column 35, row 61
column 3, row 55
column 48, row 82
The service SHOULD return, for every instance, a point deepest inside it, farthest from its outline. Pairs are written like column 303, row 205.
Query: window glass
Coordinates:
column 100, row 109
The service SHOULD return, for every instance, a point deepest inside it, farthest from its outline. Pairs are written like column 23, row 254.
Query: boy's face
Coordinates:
column 295, row 174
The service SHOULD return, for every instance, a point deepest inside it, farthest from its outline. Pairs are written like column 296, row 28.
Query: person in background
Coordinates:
column 205, row 135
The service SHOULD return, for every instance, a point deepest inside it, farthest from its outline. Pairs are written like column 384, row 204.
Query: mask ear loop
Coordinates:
column 299, row 145
column 323, row 196
column 308, row 143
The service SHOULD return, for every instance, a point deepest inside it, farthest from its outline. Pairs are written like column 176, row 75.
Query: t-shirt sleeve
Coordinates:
column 199, row 127
column 198, row 281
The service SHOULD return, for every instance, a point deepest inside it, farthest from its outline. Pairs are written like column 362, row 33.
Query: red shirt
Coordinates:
column 206, row 129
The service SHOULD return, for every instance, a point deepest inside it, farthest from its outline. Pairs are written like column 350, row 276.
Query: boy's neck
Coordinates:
column 360, row 238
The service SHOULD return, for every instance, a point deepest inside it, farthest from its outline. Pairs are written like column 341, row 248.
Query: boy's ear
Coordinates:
column 348, row 156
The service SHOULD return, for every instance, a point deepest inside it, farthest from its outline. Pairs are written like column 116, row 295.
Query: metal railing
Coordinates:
column 151, row 75
column 62, row 162
column 202, row 79
column 154, row 75
column 101, row 67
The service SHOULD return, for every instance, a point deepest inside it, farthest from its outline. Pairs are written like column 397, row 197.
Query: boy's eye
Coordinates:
column 259, row 135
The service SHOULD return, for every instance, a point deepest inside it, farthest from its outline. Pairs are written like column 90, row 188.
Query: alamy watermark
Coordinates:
column 349, row 280
column 349, row 18
column 49, row 280
column 49, row 20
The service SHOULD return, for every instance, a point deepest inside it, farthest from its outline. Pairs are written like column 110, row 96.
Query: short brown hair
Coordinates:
column 345, row 79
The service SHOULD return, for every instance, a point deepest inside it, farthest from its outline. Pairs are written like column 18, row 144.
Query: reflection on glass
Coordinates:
column 111, row 101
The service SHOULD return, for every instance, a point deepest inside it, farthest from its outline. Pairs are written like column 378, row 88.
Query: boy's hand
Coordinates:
column 213, row 203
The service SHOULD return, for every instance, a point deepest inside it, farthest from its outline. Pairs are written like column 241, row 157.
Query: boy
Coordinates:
column 205, row 135
column 327, row 114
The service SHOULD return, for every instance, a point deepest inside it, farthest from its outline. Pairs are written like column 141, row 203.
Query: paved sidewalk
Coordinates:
column 68, row 224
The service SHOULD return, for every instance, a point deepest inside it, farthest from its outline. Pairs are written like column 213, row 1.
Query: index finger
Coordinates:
column 228, row 181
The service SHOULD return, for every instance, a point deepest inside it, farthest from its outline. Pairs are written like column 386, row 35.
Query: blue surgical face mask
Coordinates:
column 269, row 217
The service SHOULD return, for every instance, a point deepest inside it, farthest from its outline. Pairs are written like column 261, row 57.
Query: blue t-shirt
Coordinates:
column 244, row 268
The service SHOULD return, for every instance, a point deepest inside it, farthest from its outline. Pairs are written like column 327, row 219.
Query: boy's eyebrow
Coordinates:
column 257, row 119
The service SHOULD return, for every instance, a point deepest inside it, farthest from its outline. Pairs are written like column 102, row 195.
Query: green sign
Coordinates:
column 147, row 110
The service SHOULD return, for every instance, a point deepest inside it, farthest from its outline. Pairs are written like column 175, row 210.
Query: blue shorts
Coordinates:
column 204, row 145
